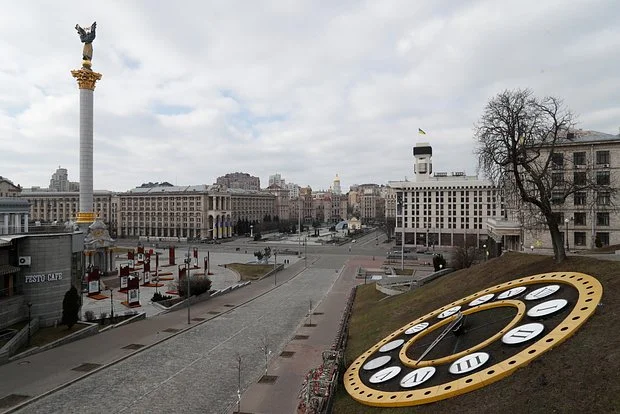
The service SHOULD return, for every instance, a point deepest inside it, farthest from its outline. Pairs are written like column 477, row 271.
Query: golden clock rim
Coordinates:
column 590, row 292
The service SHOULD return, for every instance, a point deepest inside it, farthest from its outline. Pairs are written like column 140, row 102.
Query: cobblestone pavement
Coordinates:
column 197, row 371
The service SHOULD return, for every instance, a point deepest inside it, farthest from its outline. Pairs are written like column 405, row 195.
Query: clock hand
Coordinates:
column 451, row 325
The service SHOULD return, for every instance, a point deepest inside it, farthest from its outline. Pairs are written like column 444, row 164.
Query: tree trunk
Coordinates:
column 558, row 243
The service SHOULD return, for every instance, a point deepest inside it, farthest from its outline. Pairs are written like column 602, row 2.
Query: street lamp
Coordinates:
column 251, row 230
column 111, row 304
column 566, row 221
column 275, row 268
column 305, row 251
column 29, row 317
column 298, row 228
column 187, row 261
column 402, row 234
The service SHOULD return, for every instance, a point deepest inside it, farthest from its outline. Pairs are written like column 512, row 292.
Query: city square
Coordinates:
column 309, row 208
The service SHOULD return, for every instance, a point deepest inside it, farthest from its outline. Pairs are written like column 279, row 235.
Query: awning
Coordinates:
column 8, row 269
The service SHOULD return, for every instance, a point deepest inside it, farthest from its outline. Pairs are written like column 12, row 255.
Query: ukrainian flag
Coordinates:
column 421, row 131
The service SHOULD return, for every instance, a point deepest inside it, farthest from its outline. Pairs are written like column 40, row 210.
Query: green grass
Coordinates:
column 44, row 336
column 250, row 271
column 581, row 375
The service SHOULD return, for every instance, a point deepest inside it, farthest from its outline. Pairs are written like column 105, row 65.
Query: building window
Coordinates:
column 602, row 177
column 579, row 158
column 557, row 197
column 603, row 237
column 557, row 179
column 580, row 219
column 580, row 198
column 580, row 238
column 602, row 157
column 579, row 178
column 557, row 161
column 602, row 219
column 602, row 198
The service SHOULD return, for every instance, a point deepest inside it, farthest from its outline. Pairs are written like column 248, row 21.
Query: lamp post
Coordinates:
column 402, row 235
column 29, row 317
column 251, row 230
column 275, row 268
column 305, row 251
column 156, row 272
column 486, row 252
column 298, row 228
column 239, row 384
column 187, row 261
column 566, row 220
column 111, row 303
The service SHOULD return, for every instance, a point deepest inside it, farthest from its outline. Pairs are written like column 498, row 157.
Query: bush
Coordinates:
column 157, row 297
column 463, row 257
column 257, row 236
column 597, row 242
column 439, row 262
column 197, row 285
column 103, row 315
column 89, row 315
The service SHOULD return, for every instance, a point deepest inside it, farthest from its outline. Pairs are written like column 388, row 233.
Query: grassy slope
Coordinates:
column 581, row 375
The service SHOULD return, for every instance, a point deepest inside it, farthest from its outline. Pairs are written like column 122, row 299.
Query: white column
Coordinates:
column 17, row 223
column 86, row 150
column 25, row 223
column 5, row 226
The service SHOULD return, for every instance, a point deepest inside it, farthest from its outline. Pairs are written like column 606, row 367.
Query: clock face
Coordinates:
column 473, row 341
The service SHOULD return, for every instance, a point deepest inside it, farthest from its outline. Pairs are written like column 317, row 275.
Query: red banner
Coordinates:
column 171, row 255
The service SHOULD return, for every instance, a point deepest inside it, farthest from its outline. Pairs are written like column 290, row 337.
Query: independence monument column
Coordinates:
column 86, row 79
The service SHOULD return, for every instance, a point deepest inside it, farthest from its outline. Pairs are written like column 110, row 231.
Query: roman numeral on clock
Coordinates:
column 417, row 377
column 523, row 333
column 469, row 363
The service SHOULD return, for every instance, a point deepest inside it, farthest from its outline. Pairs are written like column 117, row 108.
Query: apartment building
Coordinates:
column 282, row 207
column 239, row 180
column 251, row 205
column 588, row 216
column 198, row 211
column 62, row 206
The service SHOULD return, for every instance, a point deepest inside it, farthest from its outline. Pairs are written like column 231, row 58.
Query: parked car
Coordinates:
column 209, row 241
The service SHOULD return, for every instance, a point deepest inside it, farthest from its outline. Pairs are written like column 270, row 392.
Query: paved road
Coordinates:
column 196, row 371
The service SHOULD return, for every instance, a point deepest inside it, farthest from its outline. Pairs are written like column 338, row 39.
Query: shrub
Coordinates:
column 439, row 262
column 89, row 315
column 197, row 285
column 463, row 257
column 103, row 315
column 157, row 297
column 71, row 307
column 597, row 242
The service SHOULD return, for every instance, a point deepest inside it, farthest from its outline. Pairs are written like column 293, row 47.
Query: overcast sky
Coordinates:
column 308, row 89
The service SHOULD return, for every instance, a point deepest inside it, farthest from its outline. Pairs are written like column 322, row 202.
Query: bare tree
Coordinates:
column 517, row 138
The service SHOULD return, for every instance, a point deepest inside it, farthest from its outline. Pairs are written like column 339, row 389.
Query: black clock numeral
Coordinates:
column 521, row 333
column 469, row 363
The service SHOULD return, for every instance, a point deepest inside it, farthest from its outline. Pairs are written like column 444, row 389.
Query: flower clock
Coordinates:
column 474, row 341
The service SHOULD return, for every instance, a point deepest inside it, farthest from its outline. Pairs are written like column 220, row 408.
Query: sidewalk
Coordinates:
column 282, row 395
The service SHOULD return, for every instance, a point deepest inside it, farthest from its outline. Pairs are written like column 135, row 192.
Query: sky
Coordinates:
column 192, row 90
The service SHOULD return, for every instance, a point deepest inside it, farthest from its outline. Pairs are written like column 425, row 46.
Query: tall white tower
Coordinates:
column 423, row 161
column 86, row 79
column 336, row 187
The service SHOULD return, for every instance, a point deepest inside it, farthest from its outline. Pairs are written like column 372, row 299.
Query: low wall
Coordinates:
column 19, row 340
column 12, row 310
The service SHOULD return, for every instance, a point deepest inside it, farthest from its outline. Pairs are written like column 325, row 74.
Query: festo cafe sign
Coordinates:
column 47, row 277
